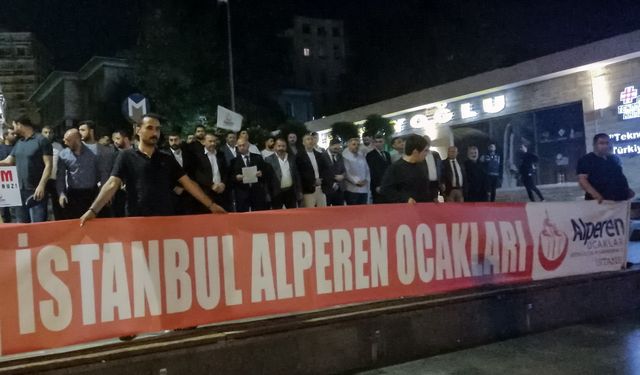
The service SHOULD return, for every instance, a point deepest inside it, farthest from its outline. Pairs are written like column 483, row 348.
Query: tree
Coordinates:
column 376, row 124
column 344, row 131
column 178, row 64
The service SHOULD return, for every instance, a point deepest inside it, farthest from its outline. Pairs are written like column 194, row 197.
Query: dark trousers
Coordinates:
column 335, row 198
column 355, row 199
column 6, row 214
column 78, row 202
column 252, row 199
column 530, row 185
column 52, row 194
column 376, row 197
column 492, row 185
column 434, row 189
column 285, row 198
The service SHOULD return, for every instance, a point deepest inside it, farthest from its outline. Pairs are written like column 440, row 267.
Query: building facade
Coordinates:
column 554, row 105
column 318, row 58
column 95, row 92
column 24, row 64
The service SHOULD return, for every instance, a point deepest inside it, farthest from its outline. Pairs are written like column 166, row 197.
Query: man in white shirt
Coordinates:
column 285, row 180
column 212, row 174
column 252, row 148
column 229, row 148
column 315, row 174
column 175, row 146
column 434, row 166
column 357, row 174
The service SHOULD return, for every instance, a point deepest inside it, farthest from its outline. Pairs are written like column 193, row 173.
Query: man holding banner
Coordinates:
column 150, row 176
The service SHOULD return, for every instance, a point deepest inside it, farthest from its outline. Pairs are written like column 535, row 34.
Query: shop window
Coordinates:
column 306, row 52
column 555, row 134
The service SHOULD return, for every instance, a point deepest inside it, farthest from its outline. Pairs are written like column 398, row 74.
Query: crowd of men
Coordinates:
column 211, row 173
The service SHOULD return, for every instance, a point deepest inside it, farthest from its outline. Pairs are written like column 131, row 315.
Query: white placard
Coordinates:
column 9, row 188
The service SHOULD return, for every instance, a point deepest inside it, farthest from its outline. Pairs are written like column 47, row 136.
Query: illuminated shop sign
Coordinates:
column 627, row 143
column 443, row 113
column 630, row 107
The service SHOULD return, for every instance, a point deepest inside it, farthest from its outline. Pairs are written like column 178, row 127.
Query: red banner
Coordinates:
column 63, row 284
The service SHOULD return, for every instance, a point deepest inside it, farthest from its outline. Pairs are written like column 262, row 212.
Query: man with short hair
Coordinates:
column 121, row 139
column 397, row 149
column 229, row 148
column 32, row 155
column 252, row 148
column 452, row 177
column 8, row 140
column 292, row 139
column 600, row 173
column 407, row 180
column 150, row 175
column 378, row 160
column 190, row 139
column 492, row 165
column 285, row 179
column 211, row 173
column 316, row 140
column 366, row 146
column 357, row 175
column 434, row 166
column 269, row 145
column 475, row 179
column 52, row 194
column 249, row 196
column 527, row 170
column 106, row 155
column 335, row 196
column 315, row 175
column 78, row 176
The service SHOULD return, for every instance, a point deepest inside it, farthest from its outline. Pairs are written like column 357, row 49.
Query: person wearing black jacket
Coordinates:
column 249, row 196
column 475, row 178
column 378, row 160
column 335, row 197
column 285, row 179
column 315, row 174
column 212, row 174
column 527, row 170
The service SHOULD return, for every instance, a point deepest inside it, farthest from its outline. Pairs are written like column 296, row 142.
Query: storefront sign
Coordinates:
column 63, row 284
column 627, row 143
column 630, row 107
column 443, row 113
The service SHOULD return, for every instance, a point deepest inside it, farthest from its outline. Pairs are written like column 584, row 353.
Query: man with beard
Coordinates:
column 211, row 173
column 32, row 156
column 335, row 195
column 475, row 178
column 229, row 148
column 150, row 176
column 47, row 132
column 106, row 155
column 285, row 179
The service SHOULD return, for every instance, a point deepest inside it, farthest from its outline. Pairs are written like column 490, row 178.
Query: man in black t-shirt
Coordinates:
column 600, row 174
column 407, row 180
column 150, row 176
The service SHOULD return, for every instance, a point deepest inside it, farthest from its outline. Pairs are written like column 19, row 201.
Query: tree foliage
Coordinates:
column 344, row 131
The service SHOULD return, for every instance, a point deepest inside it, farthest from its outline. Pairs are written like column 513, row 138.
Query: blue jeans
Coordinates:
column 35, row 214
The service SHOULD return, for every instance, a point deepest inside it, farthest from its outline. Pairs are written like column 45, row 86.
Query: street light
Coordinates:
column 231, row 84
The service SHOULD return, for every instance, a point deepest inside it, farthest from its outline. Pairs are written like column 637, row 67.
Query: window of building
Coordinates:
column 322, row 53
column 337, row 52
column 21, row 52
column 306, row 52
column 322, row 31
column 291, row 112
column 337, row 32
column 306, row 29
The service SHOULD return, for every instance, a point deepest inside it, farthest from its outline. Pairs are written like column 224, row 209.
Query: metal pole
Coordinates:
column 231, row 85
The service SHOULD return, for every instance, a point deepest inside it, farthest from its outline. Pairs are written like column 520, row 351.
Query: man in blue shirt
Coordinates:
column 32, row 156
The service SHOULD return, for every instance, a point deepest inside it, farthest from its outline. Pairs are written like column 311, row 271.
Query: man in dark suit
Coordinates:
column 229, row 148
column 434, row 166
column 335, row 197
column 249, row 196
column 212, row 174
column 379, row 160
column 315, row 174
column 452, row 177
column 285, row 180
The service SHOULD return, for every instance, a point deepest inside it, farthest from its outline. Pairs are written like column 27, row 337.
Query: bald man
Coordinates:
column 77, row 176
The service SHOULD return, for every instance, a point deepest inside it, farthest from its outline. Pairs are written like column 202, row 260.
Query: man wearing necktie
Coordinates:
column 452, row 177
column 335, row 197
column 249, row 196
column 378, row 160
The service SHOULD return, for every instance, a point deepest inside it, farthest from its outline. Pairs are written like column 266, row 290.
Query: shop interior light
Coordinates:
column 600, row 91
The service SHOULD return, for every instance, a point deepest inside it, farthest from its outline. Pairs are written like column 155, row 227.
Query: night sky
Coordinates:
column 395, row 46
